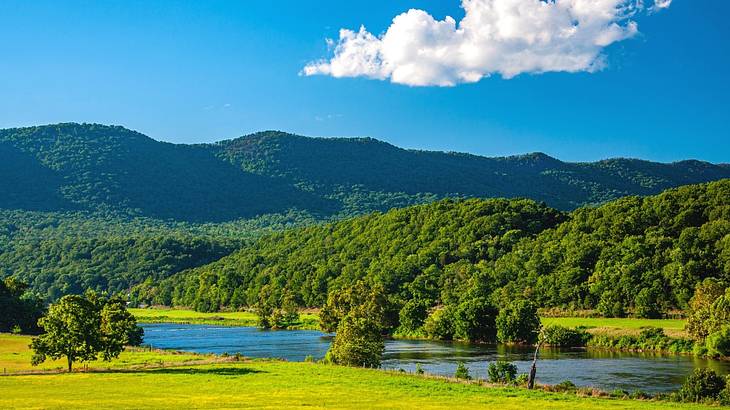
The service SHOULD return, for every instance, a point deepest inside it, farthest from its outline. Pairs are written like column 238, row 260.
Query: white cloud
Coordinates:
column 508, row 37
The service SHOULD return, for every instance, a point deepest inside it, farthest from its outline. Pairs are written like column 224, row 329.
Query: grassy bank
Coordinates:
column 264, row 384
column 619, row 326
column 183, row 316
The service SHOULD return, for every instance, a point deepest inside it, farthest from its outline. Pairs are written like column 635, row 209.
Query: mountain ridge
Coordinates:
column 92, row 167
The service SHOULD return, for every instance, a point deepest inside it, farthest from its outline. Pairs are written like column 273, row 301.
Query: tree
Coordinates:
column 474, row 320
column 358, row 342
column 81, row 328
column 518, row 323
column 709, row 309
column 21, row 309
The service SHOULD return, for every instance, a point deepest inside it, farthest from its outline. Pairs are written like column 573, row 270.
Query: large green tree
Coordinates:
column 82, row 328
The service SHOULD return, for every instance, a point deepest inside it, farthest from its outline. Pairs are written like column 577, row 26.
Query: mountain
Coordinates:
column 97, row 168
column 644, row 255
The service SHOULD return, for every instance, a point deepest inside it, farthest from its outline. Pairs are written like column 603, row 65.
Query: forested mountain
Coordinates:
column 88, row 167
column 93, row 206
column 643, row 255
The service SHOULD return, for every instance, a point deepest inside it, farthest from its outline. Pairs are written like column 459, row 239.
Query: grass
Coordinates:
column 269, row 384
column 619, row 326
column 15, row 357
column 183, row 316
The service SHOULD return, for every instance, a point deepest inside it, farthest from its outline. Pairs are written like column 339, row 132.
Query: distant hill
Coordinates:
column 90, row 167
column 640, row 255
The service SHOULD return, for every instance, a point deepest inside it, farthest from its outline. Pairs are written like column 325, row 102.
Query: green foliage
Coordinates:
column 718, row 343
column 701, row 385
column 20, row 308
column 709, row 309
column 501, row 372
column 474, row 319
column 462, row 372
column 650, row 339
column 362, row 300
column 419, row 369
column 358, row 342
column 83, row 328
column 440, row 324
column 413, row 315
column 518, row 323
column 88, row 206
column 560, row 336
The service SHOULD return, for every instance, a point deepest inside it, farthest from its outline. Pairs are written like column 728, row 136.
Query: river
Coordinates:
column 651, row 373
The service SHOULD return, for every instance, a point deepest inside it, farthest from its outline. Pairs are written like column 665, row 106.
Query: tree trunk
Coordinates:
column 533, row 369
column 70, row 363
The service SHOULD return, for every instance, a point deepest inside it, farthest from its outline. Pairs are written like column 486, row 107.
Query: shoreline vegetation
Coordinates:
column 609, row 334
column 156, row 378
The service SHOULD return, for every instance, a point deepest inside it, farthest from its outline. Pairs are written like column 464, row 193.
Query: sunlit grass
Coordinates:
column 15, row 357
column 619, row 326
column 307, row 320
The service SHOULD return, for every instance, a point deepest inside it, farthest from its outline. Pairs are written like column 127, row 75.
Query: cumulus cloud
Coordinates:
column 506, row 37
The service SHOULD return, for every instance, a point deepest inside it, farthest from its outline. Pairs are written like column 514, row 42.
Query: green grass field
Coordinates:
column 307, row 320
column 171, row 381
column 619, row 326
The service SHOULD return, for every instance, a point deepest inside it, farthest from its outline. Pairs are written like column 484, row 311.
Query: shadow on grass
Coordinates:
column 222, row 371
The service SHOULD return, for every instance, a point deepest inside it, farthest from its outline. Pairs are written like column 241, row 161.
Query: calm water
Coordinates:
column 604, row 370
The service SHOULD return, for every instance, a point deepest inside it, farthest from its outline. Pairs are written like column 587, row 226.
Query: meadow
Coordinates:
column 185, row 316
column 156, row 379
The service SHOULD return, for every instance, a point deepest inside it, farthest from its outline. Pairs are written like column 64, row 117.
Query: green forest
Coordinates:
column 638, row 256
column 98, row 168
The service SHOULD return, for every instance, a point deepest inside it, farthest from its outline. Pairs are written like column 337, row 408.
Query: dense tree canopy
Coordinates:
column 642, row 256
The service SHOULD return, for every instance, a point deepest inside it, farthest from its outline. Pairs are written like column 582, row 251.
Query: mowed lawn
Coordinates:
column 619, row 326
column 227, row 383
column 276, row 385
column 15, row 357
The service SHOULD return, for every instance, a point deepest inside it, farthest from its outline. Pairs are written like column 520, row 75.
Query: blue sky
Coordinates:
column 204, row 71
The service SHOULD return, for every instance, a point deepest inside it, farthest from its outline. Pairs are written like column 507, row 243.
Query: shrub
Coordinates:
column 522, row 379
column 518, row 323
column 462, row 372
column 309, row 359
column 556, row 335
column 419, row 369
column 718, row 343
column 565, row 386
column 618, row 393
column 502, row 372
column 439, row 325
column 701, row 385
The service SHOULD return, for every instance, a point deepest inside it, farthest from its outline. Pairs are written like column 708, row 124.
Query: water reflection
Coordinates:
column 606, row 370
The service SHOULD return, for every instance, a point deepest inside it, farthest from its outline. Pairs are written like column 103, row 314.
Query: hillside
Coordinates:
column 89, row 167
column 93, row 206
column 643, row 255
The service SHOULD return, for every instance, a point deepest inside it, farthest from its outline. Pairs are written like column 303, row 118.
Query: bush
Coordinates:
column 518, row 323
column 440, row 325
column 462, row 372
column 522, row 379
column 502, row 372
column 419, row 369
column 718, row 343
column 565, row 386
column 560, row 336
column 701, row 385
